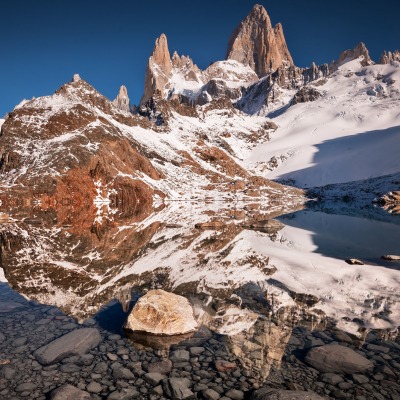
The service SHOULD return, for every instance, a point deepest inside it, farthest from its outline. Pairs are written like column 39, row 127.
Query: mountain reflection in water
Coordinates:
column 247, row 278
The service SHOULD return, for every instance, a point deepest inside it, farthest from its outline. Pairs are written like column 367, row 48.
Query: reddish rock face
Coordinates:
column 257, row 44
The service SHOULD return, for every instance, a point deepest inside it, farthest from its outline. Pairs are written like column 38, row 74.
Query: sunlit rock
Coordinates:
column 162, row 313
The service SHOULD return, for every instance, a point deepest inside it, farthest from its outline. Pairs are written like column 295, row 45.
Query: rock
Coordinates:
column 354, row 261
column 195, row 351
column 199, row 338
column 162, row 367
column 391, row 258
column 162, row 313
column 7, row 373
column 270, row 226
column 378, row 349
column 123, row 373
column 257, row 44
column 224, row 366
column 334, row 358
column 112, row 357
column 94, row 387
column 235, row 394
column 26, row 387
column 122, row 100
column 69, row 392
column 2, row 338
column 278, row 394
column 76, row 78
column 332, row 379
column 20, row 341
column 154, row 378
column 360, row 51
column 305, row 94
column 361, row 379
column 178, row 388
column 10, row 306
column 124, row 394
column 180, row 356
column 210, row 394
column 77, row 342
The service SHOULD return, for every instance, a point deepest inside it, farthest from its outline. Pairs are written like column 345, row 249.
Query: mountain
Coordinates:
column 96, row 190
column 122, row 100
column 257, row 44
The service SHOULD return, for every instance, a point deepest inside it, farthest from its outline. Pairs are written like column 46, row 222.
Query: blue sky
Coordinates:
column 44, row 42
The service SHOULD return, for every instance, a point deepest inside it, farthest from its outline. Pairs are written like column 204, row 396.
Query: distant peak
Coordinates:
column 257, row 44
column 161, row 55
column 359, row 51
column 122, row 100
column 123, row 91
column 76, row 78
column 258, row 9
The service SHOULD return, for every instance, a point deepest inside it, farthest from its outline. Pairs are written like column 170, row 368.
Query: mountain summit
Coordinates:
column 257, row 44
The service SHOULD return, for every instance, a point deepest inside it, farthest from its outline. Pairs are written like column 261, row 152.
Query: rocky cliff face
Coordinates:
column 257, row 44
column 122, row 101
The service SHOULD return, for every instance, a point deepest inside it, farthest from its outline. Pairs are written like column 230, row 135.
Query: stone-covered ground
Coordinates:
column 203, row 368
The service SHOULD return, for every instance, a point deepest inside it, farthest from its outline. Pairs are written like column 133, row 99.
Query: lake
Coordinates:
column 267, row 295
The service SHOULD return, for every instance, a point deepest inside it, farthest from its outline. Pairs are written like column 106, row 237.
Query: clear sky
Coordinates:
column 44, row 42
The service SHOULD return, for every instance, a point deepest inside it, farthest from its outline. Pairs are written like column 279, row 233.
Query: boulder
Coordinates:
column 77, row 342
column 338, row 359
column 278, row 394
column 162, row 313
column 69, row 392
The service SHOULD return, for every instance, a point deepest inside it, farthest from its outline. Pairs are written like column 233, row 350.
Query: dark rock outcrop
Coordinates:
column 305, row 94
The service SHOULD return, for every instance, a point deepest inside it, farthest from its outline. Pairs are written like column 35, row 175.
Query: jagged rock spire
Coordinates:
column 352, row 54
column 158, row 69
column 122, row 100
column 388, row 57
column 257, row 44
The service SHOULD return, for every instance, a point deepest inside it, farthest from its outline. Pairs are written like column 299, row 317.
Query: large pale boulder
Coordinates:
column 162, row 313
column 338, row 359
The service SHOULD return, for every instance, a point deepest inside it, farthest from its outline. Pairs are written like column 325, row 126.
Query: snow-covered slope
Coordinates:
column 352, row 132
